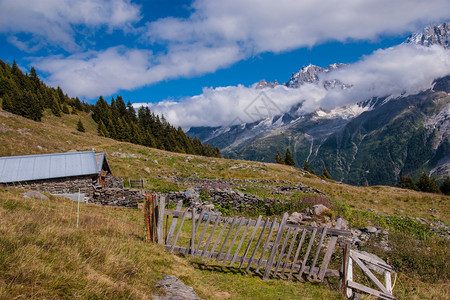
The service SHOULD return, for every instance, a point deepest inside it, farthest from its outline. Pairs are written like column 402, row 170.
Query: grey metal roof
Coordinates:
column 46, row 166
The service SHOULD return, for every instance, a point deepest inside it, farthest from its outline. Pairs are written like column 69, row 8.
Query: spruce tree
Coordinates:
column 288, row 160
column 279, row 158
column 445, row 187
column 406, row 183
column 101, row 129
column 80, row 126
column 325, row 173
column 306, row 166
column 427, row 184
column 65, row 109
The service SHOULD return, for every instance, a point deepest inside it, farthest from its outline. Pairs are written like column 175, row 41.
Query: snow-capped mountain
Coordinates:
column 432, row 35
column 371, row 142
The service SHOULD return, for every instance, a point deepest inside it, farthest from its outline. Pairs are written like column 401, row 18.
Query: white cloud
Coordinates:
column 217, row 34
column 54, row 21
column 404, row 68
column 267, row 25
column 105, row 72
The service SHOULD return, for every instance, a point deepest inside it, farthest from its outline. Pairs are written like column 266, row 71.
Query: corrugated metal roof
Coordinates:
column 46, row 166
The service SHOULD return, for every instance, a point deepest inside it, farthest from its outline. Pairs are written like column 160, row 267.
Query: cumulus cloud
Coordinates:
column 406, row 68
column 216, row 35
column 402, row 69
column 105, row 72
column 54, row 21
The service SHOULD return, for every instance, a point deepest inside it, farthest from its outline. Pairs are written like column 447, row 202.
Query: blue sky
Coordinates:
column 173, row 50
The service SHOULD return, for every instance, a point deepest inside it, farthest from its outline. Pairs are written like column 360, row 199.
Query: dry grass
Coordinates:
column 100, row 260
column 44, row 255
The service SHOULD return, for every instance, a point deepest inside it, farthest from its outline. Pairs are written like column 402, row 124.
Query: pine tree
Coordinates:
column 288, row 160
column 306, row 166
column 406, row 183
column 101, row 129
column 80, row 126
column 279, row 158
column 445, row 187
column 325, row 173
column 65, row 109
column 425, row 184
column 7, row 104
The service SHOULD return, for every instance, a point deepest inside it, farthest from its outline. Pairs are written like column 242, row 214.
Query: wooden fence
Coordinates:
column 283, row 250
column 383, row 291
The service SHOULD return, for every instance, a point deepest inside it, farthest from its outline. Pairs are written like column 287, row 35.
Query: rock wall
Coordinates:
column 117, row 197
column 65, row 185
column 114, row 194
column 223, row 197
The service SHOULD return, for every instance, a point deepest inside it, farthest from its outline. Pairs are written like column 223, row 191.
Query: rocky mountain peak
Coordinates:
column 432, row 35
column 263, row 84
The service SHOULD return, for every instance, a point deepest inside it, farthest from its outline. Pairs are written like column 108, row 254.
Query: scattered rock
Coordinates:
column 175, row 289
column 147, row 170
column 39, row 147
column 200, row 166
column 34, row 194
column 155, row 161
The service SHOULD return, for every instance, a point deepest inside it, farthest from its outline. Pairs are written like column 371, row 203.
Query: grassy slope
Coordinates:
column 130, row 267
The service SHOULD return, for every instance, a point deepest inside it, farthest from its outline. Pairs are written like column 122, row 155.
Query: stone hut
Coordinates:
column 67, row 173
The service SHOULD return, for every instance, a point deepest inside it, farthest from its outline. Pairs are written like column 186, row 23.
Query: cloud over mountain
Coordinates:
column 405, row 68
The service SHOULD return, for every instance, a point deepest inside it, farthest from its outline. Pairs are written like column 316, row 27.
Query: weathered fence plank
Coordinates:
column 240, row 244
column 316, row 256
column 227, row 237
column 258, row 243
column 241, row 221
column 159, row 226
column 297, row 253
column 203, row 234
column 288, row 255
column 179, row 230
column 266, row 244
column 173, row 224
column 210, row 237
column 275, row 246
column 280, row 256
column 251, row 239
column 311, row 241
column 218, row 239
column 330, row 250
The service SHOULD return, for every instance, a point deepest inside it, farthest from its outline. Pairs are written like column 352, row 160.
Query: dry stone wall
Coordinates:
column 114, row 194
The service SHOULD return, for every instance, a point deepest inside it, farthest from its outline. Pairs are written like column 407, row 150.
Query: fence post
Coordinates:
column 160, row 221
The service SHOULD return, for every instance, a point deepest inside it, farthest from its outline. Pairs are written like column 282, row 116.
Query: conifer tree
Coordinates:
column 325, row 173
column 65, row 109
column 406, row 183
column 101, row 129
column 445, row 187
column 279, row 158
column 427, row 184
column 306, row 166
column 80, row 126
column 288, row 160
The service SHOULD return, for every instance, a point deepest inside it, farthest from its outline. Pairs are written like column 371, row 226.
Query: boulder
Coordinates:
column 34, row 194
column 318, row 209
column 175, row 289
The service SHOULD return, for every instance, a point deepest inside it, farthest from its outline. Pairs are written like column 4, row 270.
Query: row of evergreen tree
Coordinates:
column 425, row 184
column 26, row 95
column 119, row 121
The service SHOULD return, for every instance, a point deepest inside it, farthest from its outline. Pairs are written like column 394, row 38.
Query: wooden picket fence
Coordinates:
column 283, row 250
